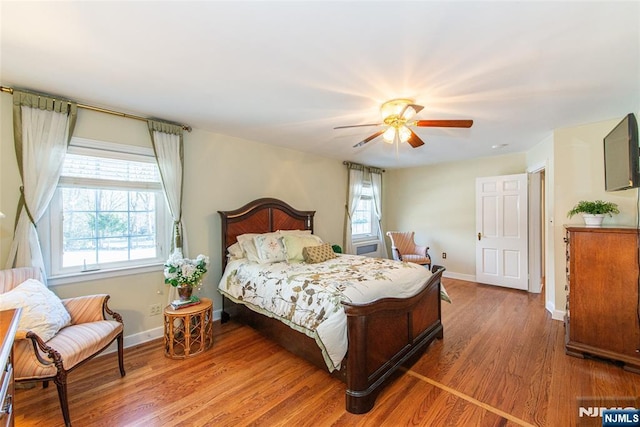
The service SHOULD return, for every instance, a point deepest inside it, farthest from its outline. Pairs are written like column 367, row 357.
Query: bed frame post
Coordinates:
column 359, row 399
column 224, row 316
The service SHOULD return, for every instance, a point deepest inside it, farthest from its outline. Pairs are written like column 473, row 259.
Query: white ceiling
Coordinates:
column 286, row 73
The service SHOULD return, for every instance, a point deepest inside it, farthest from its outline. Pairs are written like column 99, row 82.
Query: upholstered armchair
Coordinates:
column 403, row 248
column 86, row 335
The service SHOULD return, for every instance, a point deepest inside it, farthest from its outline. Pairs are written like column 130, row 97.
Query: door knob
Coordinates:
column 479, row 236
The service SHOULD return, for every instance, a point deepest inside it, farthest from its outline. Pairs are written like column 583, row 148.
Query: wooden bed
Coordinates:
column 382, row 335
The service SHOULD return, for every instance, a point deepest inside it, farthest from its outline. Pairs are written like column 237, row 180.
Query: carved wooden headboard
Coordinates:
column 261, row 216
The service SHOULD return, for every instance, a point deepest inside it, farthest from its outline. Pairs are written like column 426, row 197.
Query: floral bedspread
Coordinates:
column 308, row 297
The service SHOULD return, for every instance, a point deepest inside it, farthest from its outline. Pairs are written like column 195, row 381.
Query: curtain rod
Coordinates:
column 103, row 110
column 346, row 163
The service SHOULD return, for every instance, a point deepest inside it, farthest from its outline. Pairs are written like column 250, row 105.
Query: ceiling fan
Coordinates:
column 396, row 115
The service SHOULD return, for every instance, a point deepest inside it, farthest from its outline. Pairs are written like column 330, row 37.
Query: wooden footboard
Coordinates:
column 386, row 334
column 383, row 335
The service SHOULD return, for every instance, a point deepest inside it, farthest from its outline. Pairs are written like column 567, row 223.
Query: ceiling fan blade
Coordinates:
column 358, row 126
column 417, row 108
column 444, row 123
column 369, row 138
column 414, row 140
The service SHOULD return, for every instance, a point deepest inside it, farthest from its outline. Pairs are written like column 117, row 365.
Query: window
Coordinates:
column 362, row 224
column 108, row 211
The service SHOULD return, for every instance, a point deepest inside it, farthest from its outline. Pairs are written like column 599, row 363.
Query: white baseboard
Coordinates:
column 555, row 314
column 459, row 276
column 142, row 337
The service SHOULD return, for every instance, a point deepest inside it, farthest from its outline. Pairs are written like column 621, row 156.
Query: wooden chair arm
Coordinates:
column 396, row 253
column 40, row 346
column 89, row 308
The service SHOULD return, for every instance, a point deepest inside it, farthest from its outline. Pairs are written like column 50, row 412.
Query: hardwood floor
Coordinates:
column 501, row 363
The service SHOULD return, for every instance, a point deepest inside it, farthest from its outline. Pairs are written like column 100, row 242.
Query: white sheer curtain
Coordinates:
column 356, row 177
column 42, row 129
column 376, row 186
column 167, row 140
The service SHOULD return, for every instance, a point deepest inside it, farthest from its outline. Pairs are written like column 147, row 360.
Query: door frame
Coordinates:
column 536, row 222
column 547, row 244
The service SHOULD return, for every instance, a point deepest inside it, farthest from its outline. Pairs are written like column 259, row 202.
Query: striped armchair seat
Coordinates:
column 405, row 249
column 89, row 333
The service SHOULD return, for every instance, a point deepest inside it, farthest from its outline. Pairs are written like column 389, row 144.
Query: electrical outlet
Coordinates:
column 444, row 255
column 155, row 309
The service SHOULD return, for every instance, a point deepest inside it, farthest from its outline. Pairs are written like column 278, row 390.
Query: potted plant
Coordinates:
column 594, row 212
column 184, row 273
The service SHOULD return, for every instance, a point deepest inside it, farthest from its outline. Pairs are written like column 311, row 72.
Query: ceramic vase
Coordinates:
column 184, row 292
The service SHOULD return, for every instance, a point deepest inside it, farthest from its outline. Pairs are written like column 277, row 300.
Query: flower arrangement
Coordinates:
column 179, row 271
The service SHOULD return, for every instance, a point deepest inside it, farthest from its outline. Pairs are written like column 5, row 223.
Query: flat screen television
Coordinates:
column 621, row 156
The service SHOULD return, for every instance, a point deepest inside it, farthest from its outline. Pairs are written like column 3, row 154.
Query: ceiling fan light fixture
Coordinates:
column 404, row 133
column 389, row 135
column 395, row 107
column 409, row 113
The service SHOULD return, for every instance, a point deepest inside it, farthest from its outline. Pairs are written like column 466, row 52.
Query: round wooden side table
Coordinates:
column 188, row 331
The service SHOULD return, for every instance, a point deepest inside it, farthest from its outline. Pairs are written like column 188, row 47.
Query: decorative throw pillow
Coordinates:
column 42, row 310
column 270, row 248
column 316, row 254
column 294, row 244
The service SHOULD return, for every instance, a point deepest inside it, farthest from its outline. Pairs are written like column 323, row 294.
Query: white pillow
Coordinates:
column 42, row 310
column 235, row 252
column 293, row 245
column 248, row 247
column 270, row 248
column 304, row 232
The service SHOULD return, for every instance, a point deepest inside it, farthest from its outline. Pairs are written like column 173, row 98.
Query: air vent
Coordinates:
column 367, row 249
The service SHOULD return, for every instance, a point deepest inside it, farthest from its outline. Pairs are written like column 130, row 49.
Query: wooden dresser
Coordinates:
column 602, row 299
column 8, row 327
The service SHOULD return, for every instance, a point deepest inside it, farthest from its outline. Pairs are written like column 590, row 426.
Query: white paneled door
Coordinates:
column 501, row 225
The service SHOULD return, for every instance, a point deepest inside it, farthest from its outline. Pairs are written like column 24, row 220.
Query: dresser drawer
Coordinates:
column 6, row 395
column 8, row 328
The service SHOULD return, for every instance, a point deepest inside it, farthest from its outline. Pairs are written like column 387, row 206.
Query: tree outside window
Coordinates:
column 362, row 220
column 108, row 212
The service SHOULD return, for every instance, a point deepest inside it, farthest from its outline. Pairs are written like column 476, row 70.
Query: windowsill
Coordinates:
column 367, row 238
column 65, row 279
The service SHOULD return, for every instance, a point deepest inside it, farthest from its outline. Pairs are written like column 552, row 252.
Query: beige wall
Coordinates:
column 221, row 173
column 579, row 175
column 438, row 203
